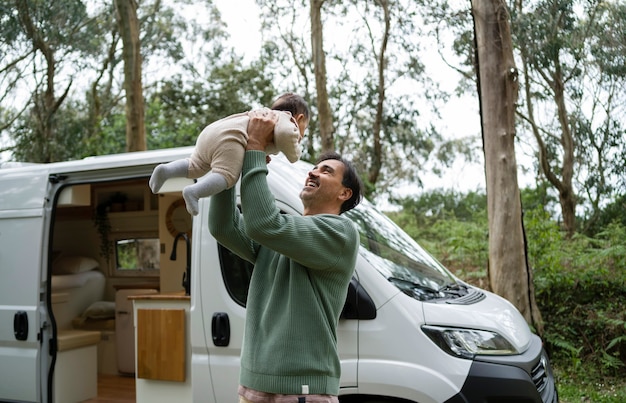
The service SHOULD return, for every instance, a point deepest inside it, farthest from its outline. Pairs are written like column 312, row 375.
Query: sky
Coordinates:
column 241, row 17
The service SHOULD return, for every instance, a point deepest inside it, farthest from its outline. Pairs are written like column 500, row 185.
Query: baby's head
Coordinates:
column 298, row 108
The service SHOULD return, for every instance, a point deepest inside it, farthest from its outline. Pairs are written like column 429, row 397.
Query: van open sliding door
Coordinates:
column 22, row 314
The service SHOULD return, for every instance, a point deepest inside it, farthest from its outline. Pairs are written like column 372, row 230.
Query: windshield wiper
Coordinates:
column 450, row 287
column 414, row 285
column 453, row 288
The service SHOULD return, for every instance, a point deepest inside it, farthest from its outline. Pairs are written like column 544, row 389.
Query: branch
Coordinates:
column 31, row 31
column 543, row 150
column 467, row 75
column 15, row 117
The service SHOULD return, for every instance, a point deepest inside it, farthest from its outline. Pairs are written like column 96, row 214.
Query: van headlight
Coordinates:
column 466, row 343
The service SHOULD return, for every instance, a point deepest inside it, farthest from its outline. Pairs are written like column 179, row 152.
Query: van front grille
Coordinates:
column 542, row 378
column 539, row 375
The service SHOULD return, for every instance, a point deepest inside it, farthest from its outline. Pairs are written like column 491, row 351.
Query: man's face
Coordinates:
column 323, row 191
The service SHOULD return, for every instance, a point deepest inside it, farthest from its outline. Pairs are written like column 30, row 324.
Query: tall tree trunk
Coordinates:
column 325, row 116
column 567, row 197
column 552, row 74
column 129, row 30
column 509, row 274
column 377, row 158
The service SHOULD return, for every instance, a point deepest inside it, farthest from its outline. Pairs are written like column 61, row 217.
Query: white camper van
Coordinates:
column 108, row 288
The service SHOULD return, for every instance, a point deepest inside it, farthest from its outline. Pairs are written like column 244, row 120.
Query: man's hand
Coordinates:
column 261, row 129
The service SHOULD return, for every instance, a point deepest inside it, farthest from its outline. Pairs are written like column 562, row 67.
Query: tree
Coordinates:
column 382, row 90
column 129, row 29
column 509, row 274
column 573, row 99
column 375, row 116
column 35, row 50
column 325, row 116
column 381, row 58
column 87, row 54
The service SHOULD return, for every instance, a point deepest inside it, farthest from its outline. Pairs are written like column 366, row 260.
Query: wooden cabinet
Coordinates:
column 162, row 343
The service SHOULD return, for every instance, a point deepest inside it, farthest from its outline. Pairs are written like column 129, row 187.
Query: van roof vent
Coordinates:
column 472, row 297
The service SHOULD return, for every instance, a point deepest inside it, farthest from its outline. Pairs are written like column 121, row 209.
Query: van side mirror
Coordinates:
column 359, row 304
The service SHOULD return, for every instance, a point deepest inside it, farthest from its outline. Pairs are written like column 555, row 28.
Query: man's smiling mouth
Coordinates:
column 311, row 183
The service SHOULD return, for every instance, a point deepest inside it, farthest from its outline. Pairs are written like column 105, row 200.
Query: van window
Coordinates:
column 395, row 254
column 137, row 256
column 236, row 273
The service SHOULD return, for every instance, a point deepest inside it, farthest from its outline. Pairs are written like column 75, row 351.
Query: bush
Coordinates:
column 580, row 290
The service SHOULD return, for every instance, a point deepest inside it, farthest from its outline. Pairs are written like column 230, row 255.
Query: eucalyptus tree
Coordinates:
column 40, row 39
column 384, row 90
column 76, row 46
column 156, row 50
column 570, row 56
column 374, row 80
column 574, row 97
column 286, row 51
column 509, row 274
column 128, row 23
column 572, row 100
column 325, row 116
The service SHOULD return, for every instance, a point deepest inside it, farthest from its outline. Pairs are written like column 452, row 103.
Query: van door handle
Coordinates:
column 20, row 325
column 220, row 329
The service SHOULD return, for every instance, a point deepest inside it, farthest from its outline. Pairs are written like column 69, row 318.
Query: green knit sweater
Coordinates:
column 302, row 267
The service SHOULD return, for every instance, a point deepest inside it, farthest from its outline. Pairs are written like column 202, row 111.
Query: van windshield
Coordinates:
column 397, row 256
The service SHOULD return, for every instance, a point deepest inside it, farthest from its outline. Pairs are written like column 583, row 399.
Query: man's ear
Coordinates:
column 345, row 194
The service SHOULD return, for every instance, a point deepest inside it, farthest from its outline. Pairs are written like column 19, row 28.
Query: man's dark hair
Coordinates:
column 350, row 179
column 293, row 103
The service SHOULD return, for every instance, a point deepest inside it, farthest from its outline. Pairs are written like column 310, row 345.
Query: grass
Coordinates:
column 576, row 388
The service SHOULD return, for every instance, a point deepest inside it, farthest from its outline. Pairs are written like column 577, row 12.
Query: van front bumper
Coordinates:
column 521, row 378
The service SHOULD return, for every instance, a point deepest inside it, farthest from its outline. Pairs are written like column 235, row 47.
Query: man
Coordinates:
column 302, row 268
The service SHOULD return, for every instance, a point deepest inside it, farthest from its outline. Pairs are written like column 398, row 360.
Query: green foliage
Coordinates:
column 110, row 135
column 613, row 212
column 579, row 286
column 55, row 54
column 72, row 144
column 39, row 39
column 572, row 55
column 178, row 110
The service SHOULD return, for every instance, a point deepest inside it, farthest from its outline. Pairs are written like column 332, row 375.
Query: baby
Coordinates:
column 220, row 148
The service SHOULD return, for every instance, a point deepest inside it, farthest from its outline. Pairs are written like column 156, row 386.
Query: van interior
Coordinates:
column 109, row 240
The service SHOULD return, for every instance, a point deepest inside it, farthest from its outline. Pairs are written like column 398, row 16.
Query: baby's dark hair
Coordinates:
column 293, row 103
